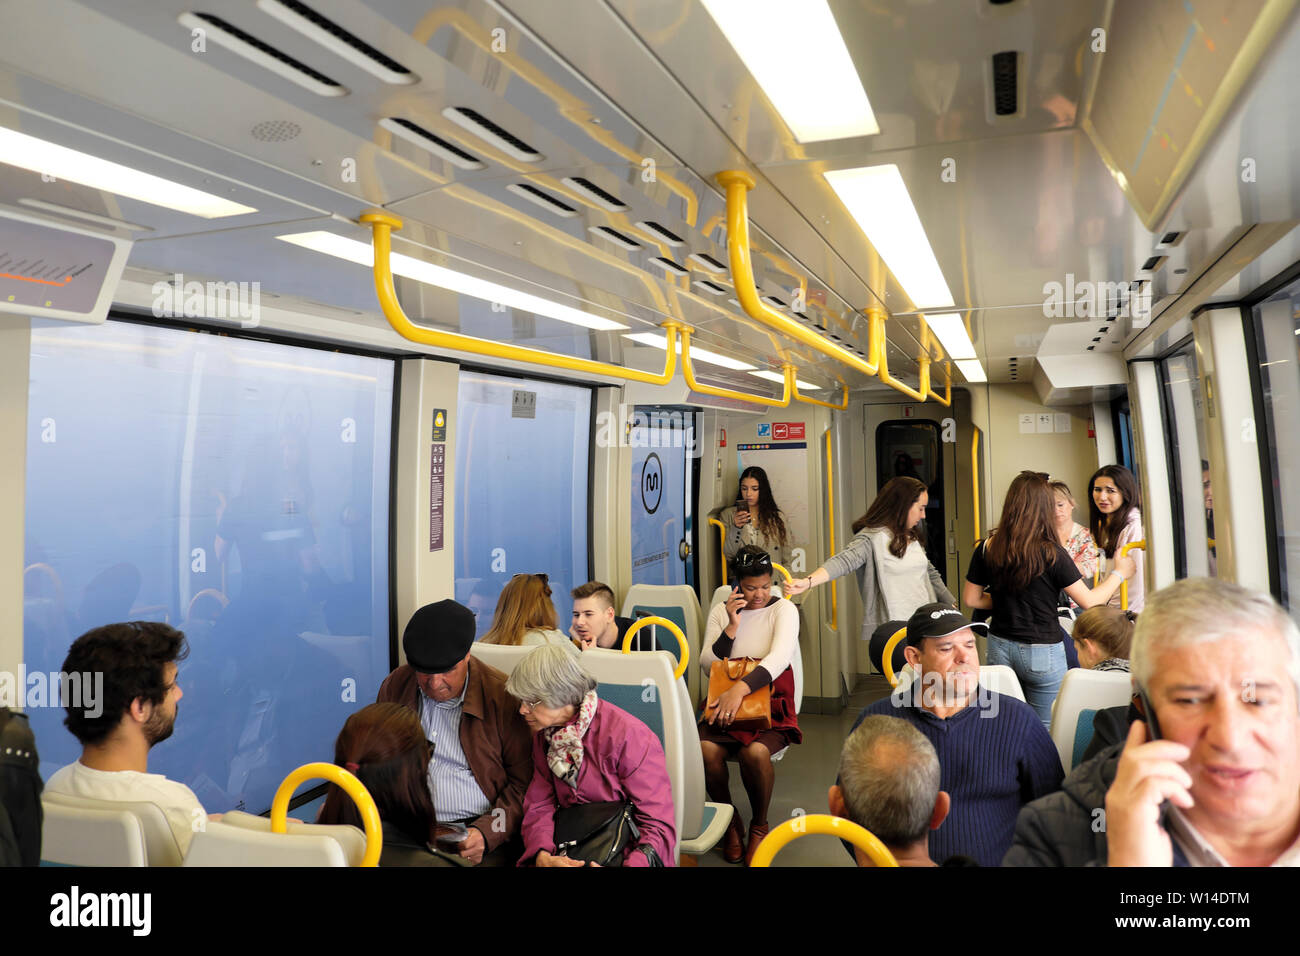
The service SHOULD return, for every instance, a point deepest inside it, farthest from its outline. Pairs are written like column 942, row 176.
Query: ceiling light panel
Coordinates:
column 780, row 380
column 950, row 329
column 972, row 369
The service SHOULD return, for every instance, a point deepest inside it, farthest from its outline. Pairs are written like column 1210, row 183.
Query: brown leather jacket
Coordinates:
column 497, row 743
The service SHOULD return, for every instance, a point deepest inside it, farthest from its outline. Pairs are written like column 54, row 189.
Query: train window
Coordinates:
column 237, row 490
column 522, row 489
column 1277, row 330
column 1190, row 470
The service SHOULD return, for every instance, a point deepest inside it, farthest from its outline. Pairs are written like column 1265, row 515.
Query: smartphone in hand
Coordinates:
column 1153, row 733
column 741, row 505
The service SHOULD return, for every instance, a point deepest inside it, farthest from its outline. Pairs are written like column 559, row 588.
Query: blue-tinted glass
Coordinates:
column 237, row 490
column 659, row 441
column 521, row 489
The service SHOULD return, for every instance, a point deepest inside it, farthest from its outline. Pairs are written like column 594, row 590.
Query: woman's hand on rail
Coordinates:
column 796, row 586
column 1126, row 566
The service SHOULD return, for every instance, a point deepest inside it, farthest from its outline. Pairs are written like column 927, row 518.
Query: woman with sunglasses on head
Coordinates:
column 1115, row 516
column 888, row 554
column 525, row 615
column 759, row 522
column 1024, row 568
column 752, row 623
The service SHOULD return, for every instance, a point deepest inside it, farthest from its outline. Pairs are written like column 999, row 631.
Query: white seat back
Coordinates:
column 682, row 598
column 79, row 836
column 1001, row 679
column 160, row 845
column 222, row 844
column 1084, row 690
column 351, row 840
column 503, row 657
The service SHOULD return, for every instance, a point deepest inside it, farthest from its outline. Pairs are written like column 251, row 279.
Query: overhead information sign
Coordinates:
column 57, row 272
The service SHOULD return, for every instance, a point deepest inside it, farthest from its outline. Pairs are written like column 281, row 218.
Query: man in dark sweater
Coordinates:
column 994, row 754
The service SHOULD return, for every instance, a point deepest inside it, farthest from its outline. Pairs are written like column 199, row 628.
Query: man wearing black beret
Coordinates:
column 482, row 749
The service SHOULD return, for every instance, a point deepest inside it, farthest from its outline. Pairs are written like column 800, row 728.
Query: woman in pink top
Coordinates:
column 586, row 750
column 1074, row 537
column 1116, row 519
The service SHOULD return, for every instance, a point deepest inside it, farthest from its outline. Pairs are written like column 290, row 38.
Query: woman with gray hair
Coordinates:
column 586, row 750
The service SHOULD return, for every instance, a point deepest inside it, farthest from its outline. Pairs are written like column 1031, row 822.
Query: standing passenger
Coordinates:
column 760, row 523
column 1074, row 537
column 1025, row 568
column 525, row 615
column 1116, row 518
column 888, row 553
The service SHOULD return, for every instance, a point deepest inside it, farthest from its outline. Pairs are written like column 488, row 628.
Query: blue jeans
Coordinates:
column 1039, row 667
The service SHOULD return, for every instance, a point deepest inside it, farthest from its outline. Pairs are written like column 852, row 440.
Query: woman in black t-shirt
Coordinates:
column 1024, row 567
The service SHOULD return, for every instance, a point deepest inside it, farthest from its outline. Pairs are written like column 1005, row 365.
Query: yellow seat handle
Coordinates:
column 681, row 640
column 823, row 823
column 887, row 661
column 350, row 785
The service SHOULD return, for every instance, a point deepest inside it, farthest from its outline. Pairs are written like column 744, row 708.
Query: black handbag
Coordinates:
column 596, row 832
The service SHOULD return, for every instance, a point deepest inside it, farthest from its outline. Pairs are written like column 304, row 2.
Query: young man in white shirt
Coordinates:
column 137, row 709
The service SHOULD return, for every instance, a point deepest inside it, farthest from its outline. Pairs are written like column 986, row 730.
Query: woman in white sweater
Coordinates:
column 894, row 574
column 752, row 623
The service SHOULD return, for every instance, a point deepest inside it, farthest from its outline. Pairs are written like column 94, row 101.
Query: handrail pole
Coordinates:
column 830, row 515
column 844, row 400
column 975, row 477
column 688, row 372
column 878, row 317
column 722, row 548
column 1123, row 585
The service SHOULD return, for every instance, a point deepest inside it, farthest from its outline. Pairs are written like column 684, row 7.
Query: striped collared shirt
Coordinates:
column 456, row 794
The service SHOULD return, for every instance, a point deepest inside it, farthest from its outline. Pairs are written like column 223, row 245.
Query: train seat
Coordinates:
column 224, row 844
column 679, row 604
column 1082, row 694
column 352, row 840
column 79, row 831
column 503, row 657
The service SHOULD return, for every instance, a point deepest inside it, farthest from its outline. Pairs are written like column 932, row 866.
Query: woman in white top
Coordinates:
column 759, row 522
column 1114, row 512
column 752, row 623
column 887, row 552
column 525, row 615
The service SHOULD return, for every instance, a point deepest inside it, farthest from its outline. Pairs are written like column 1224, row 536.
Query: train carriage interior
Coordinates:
column 314, row 314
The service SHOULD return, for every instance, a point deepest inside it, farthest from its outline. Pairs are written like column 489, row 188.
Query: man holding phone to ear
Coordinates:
column 1212, row 777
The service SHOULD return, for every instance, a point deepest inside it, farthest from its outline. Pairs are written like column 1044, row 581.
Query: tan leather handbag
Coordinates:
column 755, row 711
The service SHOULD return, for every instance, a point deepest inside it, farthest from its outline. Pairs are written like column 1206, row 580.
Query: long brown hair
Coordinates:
column 1108, row 627
column 385, row 748
column 524, row 604
column 889, row 512
column 769, row 519
column 1024, row 543
column 1106, row 528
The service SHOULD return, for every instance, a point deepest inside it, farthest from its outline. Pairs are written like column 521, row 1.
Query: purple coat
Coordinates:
column 622, row 759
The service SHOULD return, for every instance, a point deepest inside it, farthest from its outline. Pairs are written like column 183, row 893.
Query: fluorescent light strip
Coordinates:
column 780, row 380
column 362, row 253
column 878, row 199
column 314, row 31
column 972, row 369
column 950, row 329
column 39, row 156
column 80, row 214
column 697, row 354
column 818, row 93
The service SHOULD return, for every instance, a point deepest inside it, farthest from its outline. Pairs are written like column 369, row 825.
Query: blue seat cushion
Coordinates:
column 631, row 697
column 664, row 641
column 1082, row 736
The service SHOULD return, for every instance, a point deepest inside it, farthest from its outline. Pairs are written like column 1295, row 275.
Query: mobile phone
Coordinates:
column 1153, row 732
column 741, row 505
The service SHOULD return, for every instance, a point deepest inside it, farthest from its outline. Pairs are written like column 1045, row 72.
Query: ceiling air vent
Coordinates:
column 773, row 300
column 708, row 262
column 1171, row 238
column 669, row 266
column 1154, row 263
column 435, row 144
column 263, row 54
column 660, row 233
column 1005, row 70
column 591, row 191
column 616, row 237
column 490, row 132
column 300, row 17
column 543, row 199
column 710, row 287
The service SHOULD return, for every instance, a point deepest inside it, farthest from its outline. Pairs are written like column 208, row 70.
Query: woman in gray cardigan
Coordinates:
column 894, row 574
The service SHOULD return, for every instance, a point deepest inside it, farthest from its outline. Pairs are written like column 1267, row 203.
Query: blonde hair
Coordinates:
column 1108, row 627
column 524, row 604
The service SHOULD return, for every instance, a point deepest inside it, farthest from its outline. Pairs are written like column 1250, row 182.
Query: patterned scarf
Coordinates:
column 564, row 744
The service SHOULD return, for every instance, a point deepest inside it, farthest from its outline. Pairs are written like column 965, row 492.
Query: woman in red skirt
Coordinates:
column 752, row 623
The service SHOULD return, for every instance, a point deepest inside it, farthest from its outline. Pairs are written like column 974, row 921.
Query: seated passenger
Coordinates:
column 575, row 731
column 20, row 792
column 1102, row 636
column 384, row 746
column 889, row 784
column 594, row 621
column 525, row 614
column 1218, row 663
column 752, row 623
column 480, row 766
column 994, row 754
column 137, row 709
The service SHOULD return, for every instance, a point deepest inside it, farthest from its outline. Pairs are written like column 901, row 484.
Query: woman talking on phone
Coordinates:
column 894, row 574
column 755, row 519
column 752, row 623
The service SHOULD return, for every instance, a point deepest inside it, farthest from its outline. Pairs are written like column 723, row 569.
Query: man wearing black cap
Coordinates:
column 482, row 749
column 994, row 754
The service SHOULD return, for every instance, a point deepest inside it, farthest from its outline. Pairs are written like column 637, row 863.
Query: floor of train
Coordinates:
column 803, row 776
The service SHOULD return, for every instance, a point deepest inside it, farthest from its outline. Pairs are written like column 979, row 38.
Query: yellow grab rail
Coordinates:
column 781, row 568
column 830, row 517
column 681, row 640
column 383, row 223
column 877, row 318
column 688, row 372
column 1123, row 585
column 844, row 400
column 887, row 658
column 822, row 823
column 737, row 185
column 946, row 401
column 975, row 477
column 350, row 785
column 722, row 548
